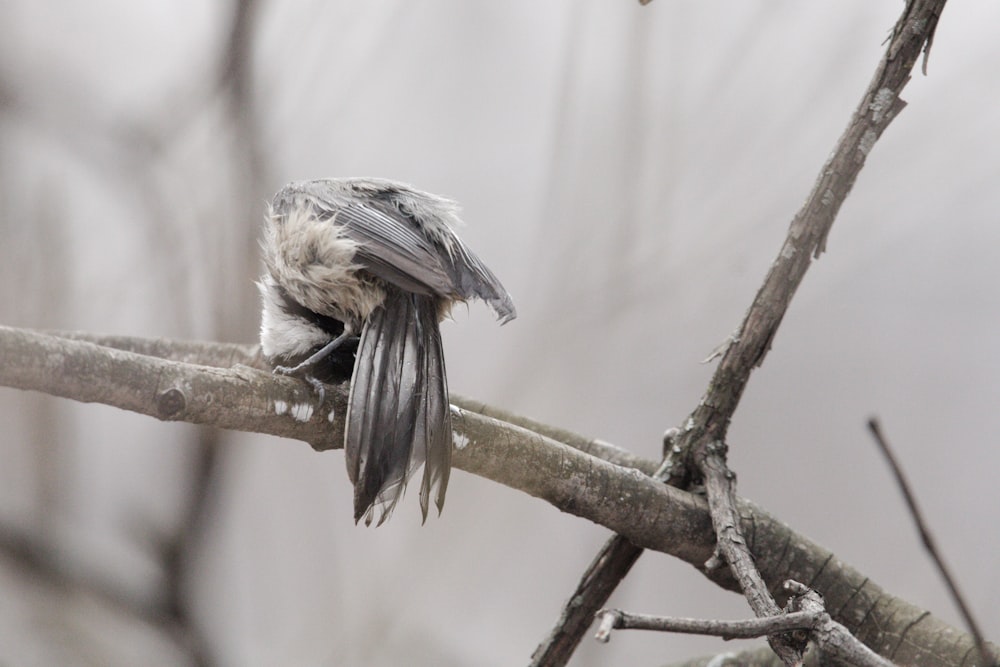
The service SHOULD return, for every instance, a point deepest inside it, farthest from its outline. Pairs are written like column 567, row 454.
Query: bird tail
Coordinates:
column 398, row 412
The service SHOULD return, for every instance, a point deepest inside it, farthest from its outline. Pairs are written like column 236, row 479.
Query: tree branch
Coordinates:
column 240, row 398
column 669, row 520
column 929, row 543
column 703, row 437
column 806, row 613
column 616, row 619
column 809, row 229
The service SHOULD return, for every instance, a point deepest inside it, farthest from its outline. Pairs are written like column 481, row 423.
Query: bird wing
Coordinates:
column 405, row 239
column 393, row 249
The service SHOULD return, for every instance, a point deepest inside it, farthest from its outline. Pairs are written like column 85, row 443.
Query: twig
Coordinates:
column 720, row 488
column 615, row 619
column 833, row 639
column 928, row 540
column 806, row 612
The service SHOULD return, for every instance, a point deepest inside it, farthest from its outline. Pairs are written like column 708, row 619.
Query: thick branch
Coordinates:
column 239, row 398
column 669, row 520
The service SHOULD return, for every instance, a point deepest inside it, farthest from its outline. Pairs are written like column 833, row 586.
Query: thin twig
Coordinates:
column 615, row 619
column 806, row 616
column 928, row 539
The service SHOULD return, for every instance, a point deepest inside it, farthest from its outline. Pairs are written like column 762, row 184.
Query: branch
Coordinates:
column 240, row 398
column 809, row 229
column 928, row 540
column 806, row 239
column 615, row 619
column 720, row 487
column 807, row 613
column 667, row 520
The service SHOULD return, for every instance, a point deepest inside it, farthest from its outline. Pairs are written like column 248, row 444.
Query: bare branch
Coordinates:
column 809, row 229
column 668, row 519
column 615, row 619
column 592, row 446
column 929, row 542
column 806, row 239
column 199, row 353
column 241, row 398
column 720, row 486
column 730, row 544
column 806, row 613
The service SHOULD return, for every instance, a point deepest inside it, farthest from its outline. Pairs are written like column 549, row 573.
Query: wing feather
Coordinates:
column 405, row 237
column 436, row 417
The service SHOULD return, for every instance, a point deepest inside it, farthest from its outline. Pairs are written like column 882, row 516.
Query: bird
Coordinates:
column 359, row 274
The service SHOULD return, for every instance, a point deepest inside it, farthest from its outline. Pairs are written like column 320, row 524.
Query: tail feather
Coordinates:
column 473, row 278
column 398, row 414
column 435, row 416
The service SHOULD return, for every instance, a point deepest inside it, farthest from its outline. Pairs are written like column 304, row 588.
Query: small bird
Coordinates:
column 368, row 268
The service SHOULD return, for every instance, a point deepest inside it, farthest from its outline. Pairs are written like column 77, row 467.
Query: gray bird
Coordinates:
column 371, row 266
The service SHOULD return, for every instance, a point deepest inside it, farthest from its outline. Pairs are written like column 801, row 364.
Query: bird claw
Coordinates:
column 316, row 384
column 318, row 387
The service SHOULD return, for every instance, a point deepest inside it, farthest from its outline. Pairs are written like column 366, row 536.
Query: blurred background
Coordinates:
column 629, row 172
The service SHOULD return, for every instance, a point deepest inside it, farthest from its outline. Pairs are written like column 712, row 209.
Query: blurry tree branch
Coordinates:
column 136, row 147
column 35, row 557
column 225, row 385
